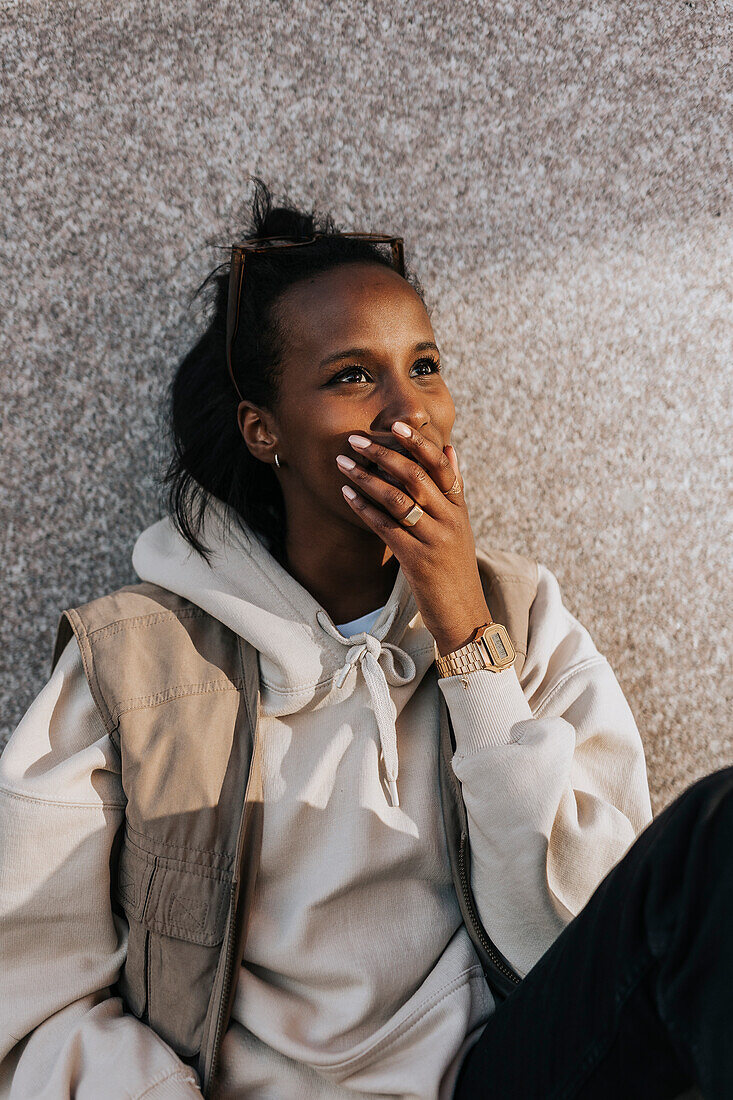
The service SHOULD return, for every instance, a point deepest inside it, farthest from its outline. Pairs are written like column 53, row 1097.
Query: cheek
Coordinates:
column 449, row 408
column 448, row 416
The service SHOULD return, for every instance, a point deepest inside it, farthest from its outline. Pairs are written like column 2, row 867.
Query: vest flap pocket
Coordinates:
column 134, row 872
column 188, row 902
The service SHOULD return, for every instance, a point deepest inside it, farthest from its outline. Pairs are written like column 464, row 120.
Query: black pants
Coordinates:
column 634, row 999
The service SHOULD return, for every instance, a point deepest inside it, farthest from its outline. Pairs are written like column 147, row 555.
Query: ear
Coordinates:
column 255, row 430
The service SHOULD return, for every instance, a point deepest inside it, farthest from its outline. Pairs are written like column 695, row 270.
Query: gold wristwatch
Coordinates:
column 491, row 647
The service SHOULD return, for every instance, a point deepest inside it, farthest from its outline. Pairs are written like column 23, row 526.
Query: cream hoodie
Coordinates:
column 359, row 978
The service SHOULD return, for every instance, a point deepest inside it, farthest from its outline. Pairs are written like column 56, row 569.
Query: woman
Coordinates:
column 266, row 834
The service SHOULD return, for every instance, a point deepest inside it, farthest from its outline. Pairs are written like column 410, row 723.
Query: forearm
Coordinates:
column 553, row 799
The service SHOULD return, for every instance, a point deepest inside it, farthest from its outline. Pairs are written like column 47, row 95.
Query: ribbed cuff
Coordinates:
column 484, row 706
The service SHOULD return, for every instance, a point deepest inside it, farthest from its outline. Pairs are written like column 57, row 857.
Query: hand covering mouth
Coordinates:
column 374, row 468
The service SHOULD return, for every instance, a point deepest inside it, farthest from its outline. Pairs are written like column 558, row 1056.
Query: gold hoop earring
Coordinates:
column 277, row 461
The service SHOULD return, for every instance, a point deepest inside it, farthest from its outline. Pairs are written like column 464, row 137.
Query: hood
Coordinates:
column 303, row 658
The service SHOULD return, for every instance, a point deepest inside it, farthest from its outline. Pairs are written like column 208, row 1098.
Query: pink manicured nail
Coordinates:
column 401, row 429
column 359, row 441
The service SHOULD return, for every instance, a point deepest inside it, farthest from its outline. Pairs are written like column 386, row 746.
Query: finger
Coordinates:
column 456, row 490
column 410, row 474
column 452, row 457
column 396, row 536
column 392, row 498
column 428, row 454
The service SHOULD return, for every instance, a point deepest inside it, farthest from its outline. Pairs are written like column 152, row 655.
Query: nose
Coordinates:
column 400, row 399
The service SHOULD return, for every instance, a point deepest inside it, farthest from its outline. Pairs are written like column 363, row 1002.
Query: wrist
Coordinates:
column 447, row 641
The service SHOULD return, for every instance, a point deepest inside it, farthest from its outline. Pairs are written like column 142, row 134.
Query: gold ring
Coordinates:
column 412, row 516
column 455, row 488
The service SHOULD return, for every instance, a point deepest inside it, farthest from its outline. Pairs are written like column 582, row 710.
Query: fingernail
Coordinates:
column 346, row 463
column 401, row 429
column 359, row 441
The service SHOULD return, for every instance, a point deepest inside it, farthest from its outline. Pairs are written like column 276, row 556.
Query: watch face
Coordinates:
column 499, row 645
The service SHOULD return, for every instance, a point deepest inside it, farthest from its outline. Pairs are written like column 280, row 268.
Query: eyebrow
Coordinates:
column 363, row 353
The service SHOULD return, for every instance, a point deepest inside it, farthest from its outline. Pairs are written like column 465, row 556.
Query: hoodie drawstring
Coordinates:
column 368, row 652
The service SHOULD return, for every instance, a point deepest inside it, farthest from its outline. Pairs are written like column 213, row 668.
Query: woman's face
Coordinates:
column 359, row 354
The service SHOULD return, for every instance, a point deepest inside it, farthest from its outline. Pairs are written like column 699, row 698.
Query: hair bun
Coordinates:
column 278, row 221
column 282, row 222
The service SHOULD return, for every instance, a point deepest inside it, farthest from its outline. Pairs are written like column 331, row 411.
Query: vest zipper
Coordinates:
column 486, row 943
column 224, row 996
column 233, row 930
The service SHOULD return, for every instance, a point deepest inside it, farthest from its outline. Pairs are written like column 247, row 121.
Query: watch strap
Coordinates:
column 491, row 649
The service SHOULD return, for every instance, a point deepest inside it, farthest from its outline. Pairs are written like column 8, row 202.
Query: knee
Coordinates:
column 712, row 794
column 688, row 861
column 698, row 817
column 707, row 807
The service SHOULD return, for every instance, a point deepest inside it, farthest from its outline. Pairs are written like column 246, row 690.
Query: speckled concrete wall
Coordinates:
column 561, row 173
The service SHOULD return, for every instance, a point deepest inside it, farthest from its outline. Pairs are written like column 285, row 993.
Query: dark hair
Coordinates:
column 210, row 455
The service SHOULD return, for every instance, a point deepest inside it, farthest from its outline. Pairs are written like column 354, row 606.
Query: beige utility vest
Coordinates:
column 179, row 693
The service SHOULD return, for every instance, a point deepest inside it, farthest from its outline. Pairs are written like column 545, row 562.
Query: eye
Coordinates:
column 426, row 360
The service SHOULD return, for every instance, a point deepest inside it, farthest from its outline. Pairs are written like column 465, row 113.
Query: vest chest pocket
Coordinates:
column 177, row 914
